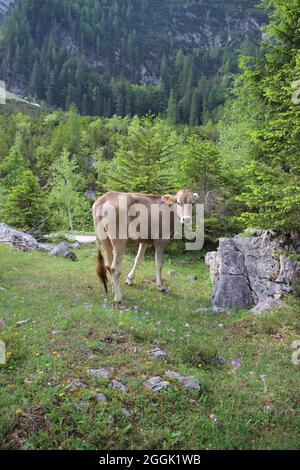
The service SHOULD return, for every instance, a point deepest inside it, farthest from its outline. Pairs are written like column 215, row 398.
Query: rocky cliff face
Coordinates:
column 253, row 272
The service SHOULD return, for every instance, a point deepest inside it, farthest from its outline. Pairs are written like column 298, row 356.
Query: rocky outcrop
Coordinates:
column 5, row 5
column 25, row 242
column 253, row 272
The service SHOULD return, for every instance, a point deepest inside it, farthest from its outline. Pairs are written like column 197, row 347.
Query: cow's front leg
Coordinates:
column 118, row 251
column 159, row 260
column 139, row 258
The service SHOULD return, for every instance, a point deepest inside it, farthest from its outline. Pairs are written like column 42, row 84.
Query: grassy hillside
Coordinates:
column 254, row 406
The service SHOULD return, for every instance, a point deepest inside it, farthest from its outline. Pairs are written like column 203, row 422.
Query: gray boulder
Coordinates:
column 44, row 248
column 252, row 271
column 18, row 240
column 156, row 384
column 60, row 249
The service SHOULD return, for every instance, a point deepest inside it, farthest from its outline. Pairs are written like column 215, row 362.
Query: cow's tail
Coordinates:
column 101, row 270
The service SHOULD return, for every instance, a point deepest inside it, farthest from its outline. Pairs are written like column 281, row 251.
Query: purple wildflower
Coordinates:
column 236, row 363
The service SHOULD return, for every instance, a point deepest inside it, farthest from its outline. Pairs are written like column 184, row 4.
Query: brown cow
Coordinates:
column 113, row 216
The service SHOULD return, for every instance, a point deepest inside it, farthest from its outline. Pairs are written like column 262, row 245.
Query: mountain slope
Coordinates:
column 99, row 54
column 4, row 6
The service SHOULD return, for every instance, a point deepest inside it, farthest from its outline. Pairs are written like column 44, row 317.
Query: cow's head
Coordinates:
column 184, row 201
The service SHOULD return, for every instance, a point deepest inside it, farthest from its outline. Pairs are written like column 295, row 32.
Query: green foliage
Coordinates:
column 199, row 165
column 272, row 189
column 125, row 57
column 145, row 158
column 72, row 209
column 260, row 129
column 12, row 167
column 251, row 413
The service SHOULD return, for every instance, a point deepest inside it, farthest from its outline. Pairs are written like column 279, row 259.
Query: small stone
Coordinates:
column 192, row 278
column 110, row 420
column 116, row 384
column 75, row 385
column 22, row 322
column 71, row 256
column 173, row 273
column 157, row 353
column 222, row 359
column 219, row 310
column 99, row 373
column 156, row 384
column 100, row 398
column 89, row 355
column 55, row 332
column 269, row 407
column 126, row 413
column 191, row 382
column 171, row 330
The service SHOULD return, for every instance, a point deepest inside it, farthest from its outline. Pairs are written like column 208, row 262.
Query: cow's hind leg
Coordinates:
column 115, row 269
column 159, row 260
column 105, row 259
column 139, row 258
column 108, row 255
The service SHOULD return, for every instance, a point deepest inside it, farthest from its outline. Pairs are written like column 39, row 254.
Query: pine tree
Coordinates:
column 272, row 189
column 146, row 157
column 69, row 205
column 24, row 206
column 12, row 167
column 172, row 108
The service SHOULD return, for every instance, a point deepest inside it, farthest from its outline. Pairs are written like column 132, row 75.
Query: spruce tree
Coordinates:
column 25, row 207
column 146, row 158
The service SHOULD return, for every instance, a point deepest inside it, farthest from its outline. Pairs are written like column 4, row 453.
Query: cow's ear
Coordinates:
column 196, row 196
column 167, row 199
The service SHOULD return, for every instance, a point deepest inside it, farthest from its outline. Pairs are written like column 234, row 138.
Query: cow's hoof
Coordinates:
column 118, row 304
column 162, row 289
column 129, row 281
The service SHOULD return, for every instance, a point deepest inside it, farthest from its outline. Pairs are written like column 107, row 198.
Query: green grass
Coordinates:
column 63, row 303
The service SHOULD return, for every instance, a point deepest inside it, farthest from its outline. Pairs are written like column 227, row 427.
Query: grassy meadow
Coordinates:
column 253, row 404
